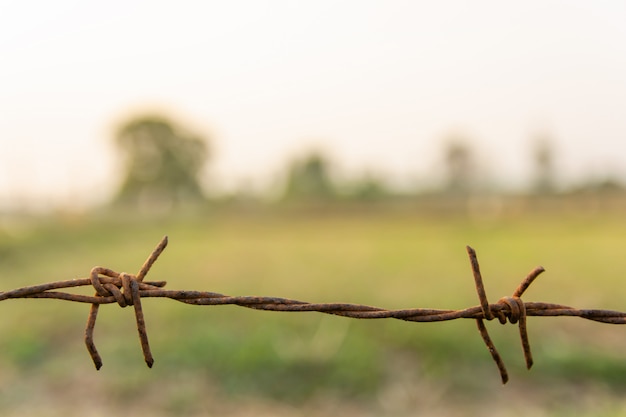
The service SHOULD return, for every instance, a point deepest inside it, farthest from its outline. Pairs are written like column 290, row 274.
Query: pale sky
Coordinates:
column 376, row 84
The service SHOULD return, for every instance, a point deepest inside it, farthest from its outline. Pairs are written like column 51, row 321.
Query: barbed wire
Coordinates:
column 127, row 290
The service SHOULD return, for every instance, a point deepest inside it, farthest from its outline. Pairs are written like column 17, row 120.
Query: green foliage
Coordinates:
column 309, row 179
column 25, row 349
column 369, row 188
column 162, row 162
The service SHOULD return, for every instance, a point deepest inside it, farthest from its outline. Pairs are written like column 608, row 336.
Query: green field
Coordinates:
column 228, row 360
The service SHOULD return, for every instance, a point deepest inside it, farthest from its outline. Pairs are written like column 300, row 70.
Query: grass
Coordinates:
column 392, row 260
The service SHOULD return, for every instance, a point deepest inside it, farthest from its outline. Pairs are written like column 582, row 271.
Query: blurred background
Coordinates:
column 347, row 152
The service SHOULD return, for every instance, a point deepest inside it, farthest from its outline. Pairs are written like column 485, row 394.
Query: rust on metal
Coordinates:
column 127, row 290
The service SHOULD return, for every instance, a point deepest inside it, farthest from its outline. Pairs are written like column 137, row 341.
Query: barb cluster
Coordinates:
column 127, row 290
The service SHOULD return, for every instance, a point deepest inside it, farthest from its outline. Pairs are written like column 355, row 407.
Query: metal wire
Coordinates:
column 127, row 289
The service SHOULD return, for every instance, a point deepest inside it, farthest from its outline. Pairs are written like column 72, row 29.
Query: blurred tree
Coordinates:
column 370, row 187
column 162, row 163
column 544, row 182
column 309, row 179
column 459, row 166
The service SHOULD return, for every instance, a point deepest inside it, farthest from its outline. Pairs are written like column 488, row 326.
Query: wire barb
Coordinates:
column 512, row 309
column 126, row 289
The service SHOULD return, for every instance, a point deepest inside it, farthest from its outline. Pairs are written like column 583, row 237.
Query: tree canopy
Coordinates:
column 309, row 179
column 162, row 162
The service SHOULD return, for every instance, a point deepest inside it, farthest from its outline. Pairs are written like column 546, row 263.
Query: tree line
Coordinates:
column 163, row 162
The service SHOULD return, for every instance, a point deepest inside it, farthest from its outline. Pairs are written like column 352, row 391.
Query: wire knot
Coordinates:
column 124, row 288
column 511, row 308
column 118, row 285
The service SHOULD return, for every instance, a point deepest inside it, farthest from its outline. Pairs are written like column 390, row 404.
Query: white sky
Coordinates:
column 377, row 84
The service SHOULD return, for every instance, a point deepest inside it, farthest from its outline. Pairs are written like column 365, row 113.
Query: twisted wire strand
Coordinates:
column 127, row 290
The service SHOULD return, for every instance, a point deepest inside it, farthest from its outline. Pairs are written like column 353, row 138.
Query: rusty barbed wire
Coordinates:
column 127, row 290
